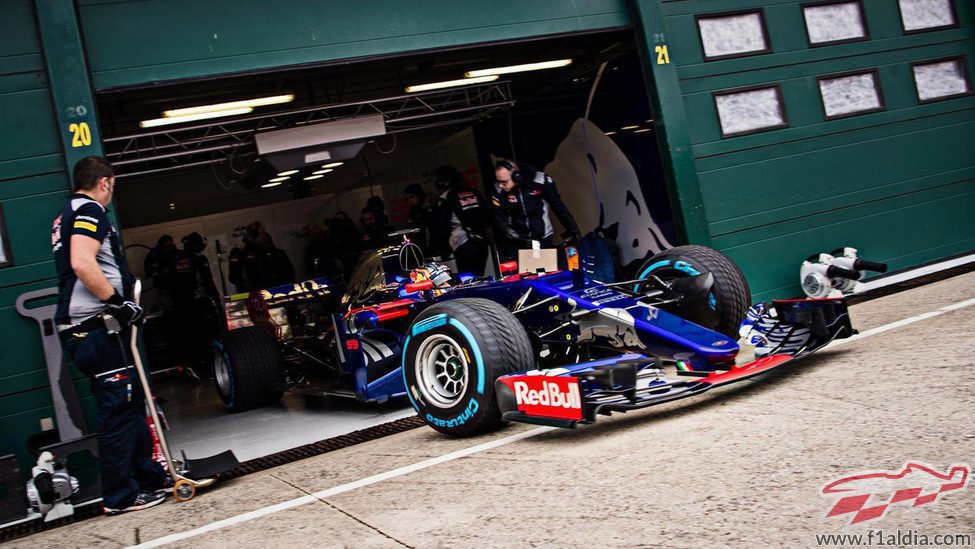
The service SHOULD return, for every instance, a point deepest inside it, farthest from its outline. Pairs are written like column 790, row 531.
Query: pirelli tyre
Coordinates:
column 729, row 297
column 247, row 368
column 452, row 355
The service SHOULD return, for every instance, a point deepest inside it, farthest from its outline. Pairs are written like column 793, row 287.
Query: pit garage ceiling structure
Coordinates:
column 758, row 158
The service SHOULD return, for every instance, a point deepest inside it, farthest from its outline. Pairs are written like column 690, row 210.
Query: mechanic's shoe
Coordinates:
column 144, row 500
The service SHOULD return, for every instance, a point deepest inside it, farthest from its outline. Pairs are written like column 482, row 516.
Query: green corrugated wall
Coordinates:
column 33, row 186
column 177, row 39
column 899, row 184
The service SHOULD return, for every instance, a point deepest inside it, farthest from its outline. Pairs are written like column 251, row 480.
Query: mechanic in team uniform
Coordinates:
column 521, row 200
column 463, row 221
column 375, row 234
column 93, row 279
column 242, row 259
column 259, row 264
column 159, row 266
column 197, row 300
column 422, row 216
column 320, row 252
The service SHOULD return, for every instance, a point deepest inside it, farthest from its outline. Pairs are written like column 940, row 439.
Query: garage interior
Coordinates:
column 209, row 176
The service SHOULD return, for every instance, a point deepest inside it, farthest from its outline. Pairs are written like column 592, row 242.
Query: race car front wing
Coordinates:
column 576, row 394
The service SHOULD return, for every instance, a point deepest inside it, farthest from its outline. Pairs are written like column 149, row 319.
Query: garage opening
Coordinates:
column 303, row 151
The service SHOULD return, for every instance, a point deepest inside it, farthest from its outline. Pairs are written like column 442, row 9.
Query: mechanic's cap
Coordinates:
column 446, row 175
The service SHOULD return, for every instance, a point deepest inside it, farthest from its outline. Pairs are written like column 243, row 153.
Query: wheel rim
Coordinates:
column 441, row 370
column 221, row 373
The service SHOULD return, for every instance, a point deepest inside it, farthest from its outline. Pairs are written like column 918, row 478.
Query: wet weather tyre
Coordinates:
column 453, row 354
column 247, row 365
column 730, row 296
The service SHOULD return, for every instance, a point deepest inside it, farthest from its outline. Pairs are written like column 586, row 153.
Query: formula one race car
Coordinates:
column 548, row 348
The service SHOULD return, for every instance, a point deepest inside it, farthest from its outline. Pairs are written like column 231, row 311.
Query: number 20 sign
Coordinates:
column 80, row 134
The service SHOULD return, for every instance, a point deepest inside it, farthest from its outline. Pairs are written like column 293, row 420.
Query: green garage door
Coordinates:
column 191, row 39
column 818, row 125
column 33, row 187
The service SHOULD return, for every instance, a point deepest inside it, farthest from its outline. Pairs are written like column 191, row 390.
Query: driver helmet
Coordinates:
column 437, row 272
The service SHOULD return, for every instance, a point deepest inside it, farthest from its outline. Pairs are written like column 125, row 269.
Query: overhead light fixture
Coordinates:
column 271, row 183
column 247, row 103
column 278, row 179
column 629, row 127
column 610, row 133
column 642, row 130
column 190, row 118
column 322, row 172
column 287, row 173
column 450, row 83
column 520, row 68
column 333, row 164
column 310, row 177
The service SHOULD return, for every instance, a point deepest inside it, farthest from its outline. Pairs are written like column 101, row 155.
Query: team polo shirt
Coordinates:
column 83, row 216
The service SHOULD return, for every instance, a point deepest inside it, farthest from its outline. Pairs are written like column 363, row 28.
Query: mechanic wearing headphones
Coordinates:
column 463, row 221
column 94, row 279
column 521, row 200
column 197, row 299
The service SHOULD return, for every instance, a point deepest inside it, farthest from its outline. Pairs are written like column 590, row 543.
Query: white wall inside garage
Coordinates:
column 283, row 221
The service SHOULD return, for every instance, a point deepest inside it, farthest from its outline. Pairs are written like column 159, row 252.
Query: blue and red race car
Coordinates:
column 548, row 348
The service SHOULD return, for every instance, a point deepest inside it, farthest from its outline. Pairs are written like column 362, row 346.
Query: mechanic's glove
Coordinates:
column 126, row 312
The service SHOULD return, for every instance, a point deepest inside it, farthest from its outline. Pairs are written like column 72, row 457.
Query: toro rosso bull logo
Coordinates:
column 869, row 495
column 554, row 397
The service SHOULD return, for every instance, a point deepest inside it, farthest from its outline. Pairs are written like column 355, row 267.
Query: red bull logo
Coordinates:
column 869, row 495
column 555, row 397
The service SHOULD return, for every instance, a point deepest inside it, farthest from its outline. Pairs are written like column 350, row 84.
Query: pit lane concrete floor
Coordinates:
column 742, row 466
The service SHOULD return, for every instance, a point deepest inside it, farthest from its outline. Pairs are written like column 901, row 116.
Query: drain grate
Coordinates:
column 324, row 446
column 82, row 512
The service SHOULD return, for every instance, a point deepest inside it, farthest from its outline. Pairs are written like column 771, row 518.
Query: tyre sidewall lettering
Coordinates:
column 458, row 414
column 468, row 413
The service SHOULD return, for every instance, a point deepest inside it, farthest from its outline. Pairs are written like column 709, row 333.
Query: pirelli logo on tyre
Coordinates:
column 543, row 396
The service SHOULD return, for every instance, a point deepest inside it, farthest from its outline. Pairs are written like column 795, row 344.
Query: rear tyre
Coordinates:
column 730, row 296
column 247, row 364
column 453, row 354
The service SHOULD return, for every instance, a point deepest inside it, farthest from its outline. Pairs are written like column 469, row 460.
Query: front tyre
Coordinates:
column 729, row 297
column 453, row 353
